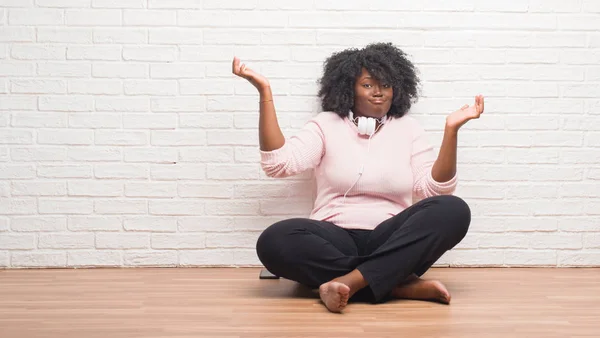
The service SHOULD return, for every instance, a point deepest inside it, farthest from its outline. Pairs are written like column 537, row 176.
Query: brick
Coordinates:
column 178, row 172
column 591, row 241
column 95, row 189
column 4, row 259
column 96, row 121
column 65, row 35
column 178, row 138
column 233, row 172
column 150, row 224
column 579, row 258
column 179, row 4
column 65, row 137
column 38, row 188
column 175, row 36
column 205, row 257
column 65, row 206
column 64, row 69
column 39, row 259
column 204, row 224
column 205, row 190
column 232, row 207
column 178, row 241
column 104, row 258
column 38, row 224
column 205, row 87
column 120, row 70
column 150, row 87
column 38, row 86
column 122, row 104
column 205, row 120
column 246, row 257
column 149, row 17
column 286, row 207
column 98, row 154
column 95, row 223
column 179, row 104
column 556, row 240
column 36, row 17
column 120, row 240
column 38, row 52
column 150, row 258
column 17, row 69
column 473, row 258
column 66, row 241
column 120, row 137
column 16, row 171
column 16, row 136
column 70, row 103
column 94, row 53
column 96, row 87
column 150, row 53
column 17, row 242
column 118, row 3
column 93, row 17
column 151, row 155
column 210, row 154
column 150, row 121
column 64, row 171
column 63, row 3
column 16, row 3
column 152, row 189
column 117, row 35
column 179, row 70
column 177, row 208
column 121, row 207
column 528, row 258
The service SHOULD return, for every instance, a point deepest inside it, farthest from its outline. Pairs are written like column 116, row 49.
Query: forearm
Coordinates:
column 444, row 167
column 270, row 135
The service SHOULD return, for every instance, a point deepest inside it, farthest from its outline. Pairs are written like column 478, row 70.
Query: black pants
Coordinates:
column 313, row 252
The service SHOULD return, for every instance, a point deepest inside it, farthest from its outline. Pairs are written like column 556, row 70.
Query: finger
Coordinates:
column 464, row 107
column 482, row 104
column 234, row 64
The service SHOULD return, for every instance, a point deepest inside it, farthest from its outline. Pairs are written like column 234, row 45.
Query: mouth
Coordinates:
column 378, row 101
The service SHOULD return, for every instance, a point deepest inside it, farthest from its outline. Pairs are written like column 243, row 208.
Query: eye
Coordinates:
column 367, row 85
column 386, row 85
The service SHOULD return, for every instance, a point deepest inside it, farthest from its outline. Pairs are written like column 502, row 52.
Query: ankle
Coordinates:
column 354, row 280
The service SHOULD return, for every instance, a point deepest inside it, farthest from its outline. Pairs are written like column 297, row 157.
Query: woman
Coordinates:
column 364, row 237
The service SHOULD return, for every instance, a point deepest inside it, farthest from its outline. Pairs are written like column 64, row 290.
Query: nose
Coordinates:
column 376, row 90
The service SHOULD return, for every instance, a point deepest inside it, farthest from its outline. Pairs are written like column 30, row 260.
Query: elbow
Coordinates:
column 277, row 170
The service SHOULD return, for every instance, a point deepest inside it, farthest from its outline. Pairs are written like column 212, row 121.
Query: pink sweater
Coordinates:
column 397, row 167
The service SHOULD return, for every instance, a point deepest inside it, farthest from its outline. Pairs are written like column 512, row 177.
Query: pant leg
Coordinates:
column 307, row 251
column 412, row 241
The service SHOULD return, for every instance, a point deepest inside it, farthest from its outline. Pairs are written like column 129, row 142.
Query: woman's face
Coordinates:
column 371, row 97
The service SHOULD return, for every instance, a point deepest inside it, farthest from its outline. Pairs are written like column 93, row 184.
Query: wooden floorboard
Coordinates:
column 216, row 302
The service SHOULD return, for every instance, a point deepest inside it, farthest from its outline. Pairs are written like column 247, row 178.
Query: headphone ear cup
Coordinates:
column 372, row 125
column 362, row 125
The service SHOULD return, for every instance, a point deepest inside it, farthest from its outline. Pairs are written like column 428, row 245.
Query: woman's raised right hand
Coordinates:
column 257, row 80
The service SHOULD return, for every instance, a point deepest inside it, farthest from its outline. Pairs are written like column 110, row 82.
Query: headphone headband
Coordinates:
column 367, row 125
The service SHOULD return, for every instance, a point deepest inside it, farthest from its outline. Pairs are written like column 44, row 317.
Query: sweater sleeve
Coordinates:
column 299, row 153
column 422, row 160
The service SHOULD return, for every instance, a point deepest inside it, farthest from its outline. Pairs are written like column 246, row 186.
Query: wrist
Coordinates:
column 450, row 130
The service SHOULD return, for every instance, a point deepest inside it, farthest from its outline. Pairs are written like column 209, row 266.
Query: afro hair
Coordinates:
column 383, row 61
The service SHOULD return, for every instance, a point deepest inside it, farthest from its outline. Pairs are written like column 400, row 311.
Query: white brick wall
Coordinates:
column 126, row 141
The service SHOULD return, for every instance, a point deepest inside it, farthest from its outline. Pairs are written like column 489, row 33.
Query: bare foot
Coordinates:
column 423, row 290
column 334, row 295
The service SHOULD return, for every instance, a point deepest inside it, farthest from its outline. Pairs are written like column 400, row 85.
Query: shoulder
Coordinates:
column 327, row 118
column 409, row 122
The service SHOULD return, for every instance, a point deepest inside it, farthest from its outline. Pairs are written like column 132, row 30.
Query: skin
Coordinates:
column 372, row 99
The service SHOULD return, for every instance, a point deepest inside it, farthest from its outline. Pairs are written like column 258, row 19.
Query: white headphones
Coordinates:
column 366, row 125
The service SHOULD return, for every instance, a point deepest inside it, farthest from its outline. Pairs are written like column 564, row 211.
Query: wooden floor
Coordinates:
column 190, row 302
